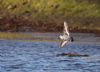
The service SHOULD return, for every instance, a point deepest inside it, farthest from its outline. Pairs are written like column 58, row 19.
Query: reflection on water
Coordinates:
column 42, row 57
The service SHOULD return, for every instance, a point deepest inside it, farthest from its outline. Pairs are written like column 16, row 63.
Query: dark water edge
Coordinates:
column 40, row 56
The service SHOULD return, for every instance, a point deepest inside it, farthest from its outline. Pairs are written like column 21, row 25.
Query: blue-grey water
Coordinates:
column 20, row 56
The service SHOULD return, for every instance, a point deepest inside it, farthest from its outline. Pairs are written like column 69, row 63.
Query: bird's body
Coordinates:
column 66, row 36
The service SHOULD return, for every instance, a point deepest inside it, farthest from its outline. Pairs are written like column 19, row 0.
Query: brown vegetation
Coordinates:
column 35, row 16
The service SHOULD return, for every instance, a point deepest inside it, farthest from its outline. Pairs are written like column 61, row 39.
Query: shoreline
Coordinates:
column 53, row 41
column 48, row 37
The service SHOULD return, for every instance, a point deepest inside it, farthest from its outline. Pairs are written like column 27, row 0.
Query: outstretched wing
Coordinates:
column 66, row 29
column 63, row 43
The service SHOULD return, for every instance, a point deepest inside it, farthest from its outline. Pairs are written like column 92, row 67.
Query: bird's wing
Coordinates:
column 66, row 29
column 63, row 43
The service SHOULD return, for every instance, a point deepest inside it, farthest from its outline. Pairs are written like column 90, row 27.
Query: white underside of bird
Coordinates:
column 65, row 37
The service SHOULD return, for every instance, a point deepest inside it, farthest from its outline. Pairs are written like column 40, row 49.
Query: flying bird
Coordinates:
column 65, row 38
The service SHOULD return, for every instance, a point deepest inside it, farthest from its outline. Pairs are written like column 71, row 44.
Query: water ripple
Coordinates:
column 42, row 57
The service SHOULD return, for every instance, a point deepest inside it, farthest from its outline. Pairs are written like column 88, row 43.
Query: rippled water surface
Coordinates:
column 19, row 56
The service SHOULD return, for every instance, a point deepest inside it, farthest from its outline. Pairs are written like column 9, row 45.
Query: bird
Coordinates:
column 65, row 38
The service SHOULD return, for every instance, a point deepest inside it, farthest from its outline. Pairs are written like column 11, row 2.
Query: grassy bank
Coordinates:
column 48, row 15
column 24, row 37
column 7, row 35
column 48, row 37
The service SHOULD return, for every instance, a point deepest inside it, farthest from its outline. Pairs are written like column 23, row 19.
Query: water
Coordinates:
column 20, row 56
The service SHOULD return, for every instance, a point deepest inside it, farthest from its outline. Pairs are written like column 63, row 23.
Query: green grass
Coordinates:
column 43, row 8
column 23, row 37
column 8, row 35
